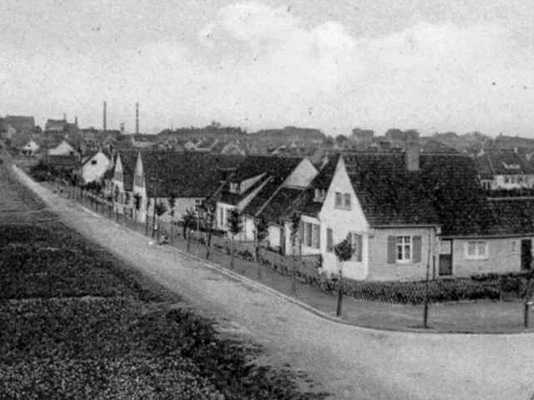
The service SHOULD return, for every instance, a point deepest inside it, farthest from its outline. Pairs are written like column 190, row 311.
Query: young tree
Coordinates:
column 234, row 226
column 343, row 251
column 172, row 204
column 294, row 234
column 209, row 221
column 136, row 204
column 159, row 209
column 188, row 220
column 261, row 232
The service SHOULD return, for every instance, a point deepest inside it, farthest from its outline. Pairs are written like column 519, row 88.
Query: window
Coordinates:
column 404, row 249
column 476, row 250
column 221, row 217
column 138, row 180
column 347, row 201
column 234, row 187
column 338, row 200
column 342, row 201
column 356, row 243
column 311, row 235
column 93, row 162
column 329, row 240
column 320, row 194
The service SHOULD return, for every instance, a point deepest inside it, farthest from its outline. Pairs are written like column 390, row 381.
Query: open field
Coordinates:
column 77, row 323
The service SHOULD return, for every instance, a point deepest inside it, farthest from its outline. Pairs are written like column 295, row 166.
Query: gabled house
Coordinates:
column 189, row 177
column 504, row 169
column 404, row 213
column 94, row 166
column 30, row 149
column 254, row 184
column 63, row 148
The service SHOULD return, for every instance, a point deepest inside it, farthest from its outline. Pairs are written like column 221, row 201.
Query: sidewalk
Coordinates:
column 472, row 317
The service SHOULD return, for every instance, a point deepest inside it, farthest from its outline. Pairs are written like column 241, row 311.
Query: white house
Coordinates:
column 95, row 166
column 30, row 149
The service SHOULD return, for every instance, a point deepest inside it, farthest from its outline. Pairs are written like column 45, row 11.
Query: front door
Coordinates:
column 445, row 258
column 526, row 254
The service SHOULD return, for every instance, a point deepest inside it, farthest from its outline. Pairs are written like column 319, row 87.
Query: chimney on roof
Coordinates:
column 411, row 153
column 76, row 121
column 104, row 118
column 137, row 118
column 64, row 116
column 122, row 128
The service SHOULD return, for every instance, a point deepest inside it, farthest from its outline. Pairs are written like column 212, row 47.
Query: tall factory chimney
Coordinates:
column 104, row 118
column 137, row 118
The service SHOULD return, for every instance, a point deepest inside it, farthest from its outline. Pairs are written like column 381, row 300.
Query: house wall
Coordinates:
column 275, row 236
column 141, row 190
column 343, row 221
column 504, row 255
column 528, row 182
column 223, row 225
column 94, row 172
column 379, row 267
column 302, row 175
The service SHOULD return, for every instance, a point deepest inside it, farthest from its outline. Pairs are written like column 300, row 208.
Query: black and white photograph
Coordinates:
column 266, row 200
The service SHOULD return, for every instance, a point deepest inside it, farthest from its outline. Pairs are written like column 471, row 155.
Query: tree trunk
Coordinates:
column 232, row 255
column 340, row 292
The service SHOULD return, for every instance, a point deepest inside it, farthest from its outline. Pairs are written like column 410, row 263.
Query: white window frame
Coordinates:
column 476, row 250
column 403, row 249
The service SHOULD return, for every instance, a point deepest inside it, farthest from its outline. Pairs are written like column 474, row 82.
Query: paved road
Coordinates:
column 350, row 362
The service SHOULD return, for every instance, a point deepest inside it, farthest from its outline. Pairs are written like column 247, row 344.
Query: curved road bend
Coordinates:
column 349, row 362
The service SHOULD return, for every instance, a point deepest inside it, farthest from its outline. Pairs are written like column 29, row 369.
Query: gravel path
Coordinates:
column 350, row 362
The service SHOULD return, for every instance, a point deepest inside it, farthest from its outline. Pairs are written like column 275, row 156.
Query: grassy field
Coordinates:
column 76, row 323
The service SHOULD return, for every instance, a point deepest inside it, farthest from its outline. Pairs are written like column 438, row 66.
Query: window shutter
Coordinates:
column 318, row 236
column 392, row 257
column 417, row 244
column 301, row 232
column 359, row 248
column 329, row 240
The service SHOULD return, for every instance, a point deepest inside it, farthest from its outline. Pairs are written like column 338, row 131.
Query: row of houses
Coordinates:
column 403, row 212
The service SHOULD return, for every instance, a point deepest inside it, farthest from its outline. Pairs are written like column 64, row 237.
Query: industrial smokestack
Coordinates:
column 104, row 118
column 137, row 118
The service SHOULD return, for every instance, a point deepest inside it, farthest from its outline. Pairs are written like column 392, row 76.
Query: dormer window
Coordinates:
column 234, row 187
column 319, row 195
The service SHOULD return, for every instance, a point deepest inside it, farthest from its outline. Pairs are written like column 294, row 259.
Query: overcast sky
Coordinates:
column 432, row 65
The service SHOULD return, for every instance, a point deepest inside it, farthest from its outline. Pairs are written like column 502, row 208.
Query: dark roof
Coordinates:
column 128, row 160
column 502, row 162
column 445, row 191
column 512, row 216
column 187, row 174
column 281, row 204
column 63, row 161
column 276, row 176
column 56, row 125
column 20, row 123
